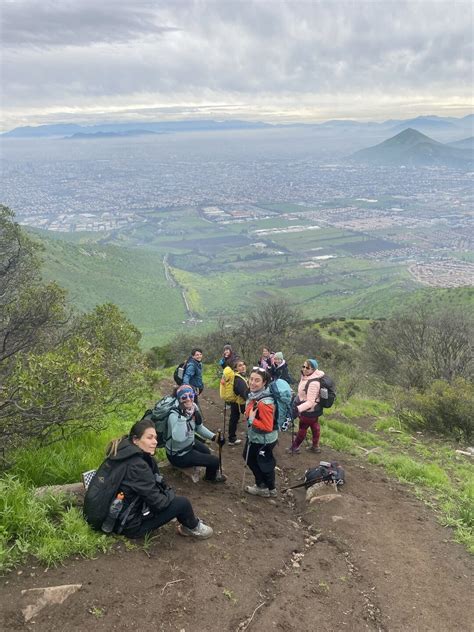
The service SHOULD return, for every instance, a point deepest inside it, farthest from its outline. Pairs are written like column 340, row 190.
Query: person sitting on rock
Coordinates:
column 148, row 502
column 181, row 448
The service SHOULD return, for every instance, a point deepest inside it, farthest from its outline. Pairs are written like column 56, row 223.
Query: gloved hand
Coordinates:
column 219, row 438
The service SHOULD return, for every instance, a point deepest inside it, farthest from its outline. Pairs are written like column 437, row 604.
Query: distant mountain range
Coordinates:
column 412, row 148
column 448, row 128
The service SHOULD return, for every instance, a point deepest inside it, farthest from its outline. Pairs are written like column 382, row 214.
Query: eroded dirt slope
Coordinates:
column 373, row 559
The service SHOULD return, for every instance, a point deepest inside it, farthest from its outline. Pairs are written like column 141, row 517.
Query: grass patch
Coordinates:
column 438, row 476
column 48, row 528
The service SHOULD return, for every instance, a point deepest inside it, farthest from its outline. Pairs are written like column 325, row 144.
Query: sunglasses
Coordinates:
column 186, row 396
column 258, row 369
column 306, row 367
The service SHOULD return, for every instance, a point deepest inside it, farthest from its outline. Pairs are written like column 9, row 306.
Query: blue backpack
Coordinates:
column 281, row 392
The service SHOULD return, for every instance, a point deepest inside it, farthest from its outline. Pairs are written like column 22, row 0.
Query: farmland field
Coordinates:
column 223, row 267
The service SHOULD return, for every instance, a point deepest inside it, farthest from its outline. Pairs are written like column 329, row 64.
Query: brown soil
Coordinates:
column 372, row 559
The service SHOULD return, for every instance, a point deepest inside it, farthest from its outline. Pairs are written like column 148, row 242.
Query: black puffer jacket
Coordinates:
column 282, row 372
column 142, row 485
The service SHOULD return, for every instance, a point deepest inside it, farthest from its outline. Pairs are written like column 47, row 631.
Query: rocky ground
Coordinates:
column 373, row 558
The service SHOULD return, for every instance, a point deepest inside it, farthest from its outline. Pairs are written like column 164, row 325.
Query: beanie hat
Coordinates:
column 313, row 363
column 278, row 355
column 227, row 348
column 184, row 389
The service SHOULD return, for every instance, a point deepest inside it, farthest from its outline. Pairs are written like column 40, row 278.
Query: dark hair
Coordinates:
column 139, row 428
column 193, row 351
column 236, row 361
column 136, row 430
column 264, row 374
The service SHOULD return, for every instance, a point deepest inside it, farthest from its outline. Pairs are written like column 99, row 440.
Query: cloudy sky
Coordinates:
column 272, row 60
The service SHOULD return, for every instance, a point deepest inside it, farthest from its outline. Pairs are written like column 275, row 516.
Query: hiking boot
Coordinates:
column 314, row 448
column 200, row 531
column 234, row 441
column 292, row 450
column 272, row 493
column 255, row 490
column 220, row 478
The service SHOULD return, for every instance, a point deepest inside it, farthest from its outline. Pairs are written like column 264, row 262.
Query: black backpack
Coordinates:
column 102, row 490
column 328, row 388
column 325, row 473
column 179, row 372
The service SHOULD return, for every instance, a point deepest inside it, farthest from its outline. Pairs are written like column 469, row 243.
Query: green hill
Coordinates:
column 133, row 279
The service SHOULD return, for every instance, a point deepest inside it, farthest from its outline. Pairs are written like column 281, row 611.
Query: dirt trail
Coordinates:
column 373, row 559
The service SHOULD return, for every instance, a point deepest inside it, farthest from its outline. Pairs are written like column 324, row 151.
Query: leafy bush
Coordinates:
column 444, row 408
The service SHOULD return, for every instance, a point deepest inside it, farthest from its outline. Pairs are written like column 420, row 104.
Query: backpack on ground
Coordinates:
column 325, row 473
column 103, row 488
column 327, row 392
column 226, row 386
column 159, row 416
column 179, row 371
column 281, row 392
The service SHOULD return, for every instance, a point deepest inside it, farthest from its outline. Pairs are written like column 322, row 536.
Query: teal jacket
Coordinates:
column 260, row 413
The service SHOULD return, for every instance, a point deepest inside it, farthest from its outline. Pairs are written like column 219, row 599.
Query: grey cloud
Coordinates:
column 79, row 52
column 54, row 23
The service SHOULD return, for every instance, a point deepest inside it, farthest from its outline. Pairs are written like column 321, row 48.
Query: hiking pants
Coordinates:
column 180, row 507
column 199, row 455
column 235, row 410
column 261, row 461
column 305, row 423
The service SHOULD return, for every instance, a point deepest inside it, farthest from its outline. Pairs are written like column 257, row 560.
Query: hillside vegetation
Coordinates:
column 226, row 269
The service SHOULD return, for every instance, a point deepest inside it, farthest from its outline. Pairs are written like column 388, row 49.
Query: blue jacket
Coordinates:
column 193, row 374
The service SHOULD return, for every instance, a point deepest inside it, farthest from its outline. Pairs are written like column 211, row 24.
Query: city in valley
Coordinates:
column 265, row 190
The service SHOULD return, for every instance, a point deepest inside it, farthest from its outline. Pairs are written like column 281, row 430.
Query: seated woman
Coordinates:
column 261, row 435
column 148, row 502
column 181, row 448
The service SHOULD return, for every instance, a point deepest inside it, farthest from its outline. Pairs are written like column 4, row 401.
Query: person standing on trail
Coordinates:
column 193, row 372
column 279, row 369
column 266, row 359
column 308, row 407
column 148, row 502
column 181, row 448
column 261, row 435
column 228, row 357
column 237, row 407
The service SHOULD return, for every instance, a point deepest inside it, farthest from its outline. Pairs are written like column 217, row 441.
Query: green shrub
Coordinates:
column 445, row 408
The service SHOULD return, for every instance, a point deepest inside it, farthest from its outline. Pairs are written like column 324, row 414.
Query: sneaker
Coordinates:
column 255, row 490
column 292, row 450
column 234, row 441
column 313, row 448
column 272, row 493
column 220, row 478
column 200, row 531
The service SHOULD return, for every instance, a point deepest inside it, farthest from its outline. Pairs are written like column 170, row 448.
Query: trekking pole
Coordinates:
column 245, row 464
column 220, row 450
column 225, row 415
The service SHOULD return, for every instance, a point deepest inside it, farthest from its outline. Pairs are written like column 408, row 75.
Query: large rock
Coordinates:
column 38, row 598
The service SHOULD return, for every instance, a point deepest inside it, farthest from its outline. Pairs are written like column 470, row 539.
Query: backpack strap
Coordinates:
column 306, row 386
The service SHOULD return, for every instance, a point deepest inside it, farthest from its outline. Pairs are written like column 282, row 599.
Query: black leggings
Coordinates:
column 235, row 410
column 261, row 461
column 180, row 507
column 199, row 455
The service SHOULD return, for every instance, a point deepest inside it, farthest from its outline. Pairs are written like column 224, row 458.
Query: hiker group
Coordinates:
column 128, row 495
